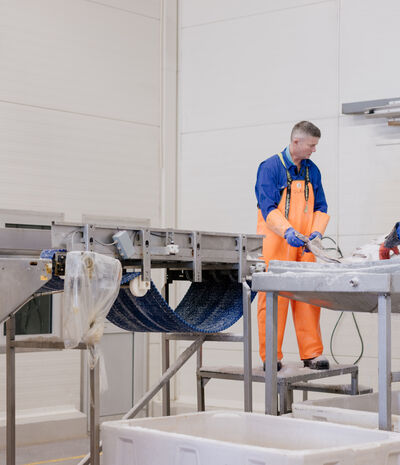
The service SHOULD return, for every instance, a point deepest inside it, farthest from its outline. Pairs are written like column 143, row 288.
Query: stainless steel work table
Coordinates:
column 358, row 287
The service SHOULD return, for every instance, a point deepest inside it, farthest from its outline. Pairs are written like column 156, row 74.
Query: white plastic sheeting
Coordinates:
column 91, row 285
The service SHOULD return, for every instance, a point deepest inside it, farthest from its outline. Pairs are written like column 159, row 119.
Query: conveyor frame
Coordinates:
column 197, row 252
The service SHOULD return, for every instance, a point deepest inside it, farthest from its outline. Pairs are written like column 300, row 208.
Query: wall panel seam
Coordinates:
column 122, row 9
column 237, row 18
column 338, row 146
column 89, row 115
column 257, row 125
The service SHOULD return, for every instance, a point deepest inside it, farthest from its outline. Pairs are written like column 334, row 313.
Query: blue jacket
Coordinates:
column 272, row 180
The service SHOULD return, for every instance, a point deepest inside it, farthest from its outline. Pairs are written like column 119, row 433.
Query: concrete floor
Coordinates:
column 54, row 453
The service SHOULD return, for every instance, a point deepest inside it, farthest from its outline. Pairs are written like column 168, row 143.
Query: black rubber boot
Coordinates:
column 317, row 363
column 278, row 366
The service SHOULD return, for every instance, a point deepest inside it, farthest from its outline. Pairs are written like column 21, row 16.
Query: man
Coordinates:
column 291, row 200
column 391, row 243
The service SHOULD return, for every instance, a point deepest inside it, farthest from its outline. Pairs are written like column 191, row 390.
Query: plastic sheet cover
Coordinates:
column 91, row 286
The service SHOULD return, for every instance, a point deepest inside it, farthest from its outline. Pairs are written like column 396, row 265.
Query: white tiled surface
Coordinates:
column 369, row 187
column 369, row 34
column 259, row 69
column 58, row 161
column 82, row 57
column 44, row 379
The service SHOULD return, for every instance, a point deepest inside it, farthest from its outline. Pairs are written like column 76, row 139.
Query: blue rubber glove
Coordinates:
column 314, row 235
column 292, row 239
column 398, row 230
column 311, row 237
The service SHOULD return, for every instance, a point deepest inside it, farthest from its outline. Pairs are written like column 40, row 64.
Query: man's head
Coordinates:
column 303, row 140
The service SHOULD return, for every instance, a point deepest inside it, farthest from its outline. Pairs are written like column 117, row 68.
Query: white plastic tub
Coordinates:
column 226, row 438
column 348, row 410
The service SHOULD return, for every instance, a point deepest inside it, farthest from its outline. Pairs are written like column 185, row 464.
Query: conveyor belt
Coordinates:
column 207, row 307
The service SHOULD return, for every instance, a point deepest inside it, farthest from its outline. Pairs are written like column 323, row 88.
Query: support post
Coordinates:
column 10, row 361
column 384, row 361
column 285, row 398
column 166, row 390
column 165, row 361
column 305, row 394
column 180, row 361
column 354, row 383
column 271, row 378
column 200, row 385
column 247, row 365
column 95, row 415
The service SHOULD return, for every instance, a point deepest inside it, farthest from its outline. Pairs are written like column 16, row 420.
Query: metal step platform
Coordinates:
column 293, row 376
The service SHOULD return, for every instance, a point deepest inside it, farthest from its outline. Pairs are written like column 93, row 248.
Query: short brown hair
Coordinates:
column 305, row 128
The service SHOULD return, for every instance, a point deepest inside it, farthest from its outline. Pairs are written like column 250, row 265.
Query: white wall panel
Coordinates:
column 349, row 242
column 44, row 379
column 57, row 161
column 369, row 37
column 218, row 172
column 80, row 56
column 195, row 12
column 260, row 69
column 369, row 188
column 141, row 7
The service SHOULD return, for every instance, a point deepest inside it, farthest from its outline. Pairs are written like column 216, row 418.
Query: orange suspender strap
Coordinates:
column 289, row 185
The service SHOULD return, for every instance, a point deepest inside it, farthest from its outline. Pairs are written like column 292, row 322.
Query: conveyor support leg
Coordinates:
column 10, row 360
column 271, row 327
column 384, row 361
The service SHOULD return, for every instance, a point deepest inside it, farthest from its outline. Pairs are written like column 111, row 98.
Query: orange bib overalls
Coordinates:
column 302, row 218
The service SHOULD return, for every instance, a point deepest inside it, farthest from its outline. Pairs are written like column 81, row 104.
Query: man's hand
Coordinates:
column 292, row 239
column 311, row 237
column 384, row 252
column 314, row 235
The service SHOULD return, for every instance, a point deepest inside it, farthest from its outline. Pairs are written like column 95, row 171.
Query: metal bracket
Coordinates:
column 388, row 108
column 242, row 244
column 88, row 237
column 197, row 265
column 146, row 259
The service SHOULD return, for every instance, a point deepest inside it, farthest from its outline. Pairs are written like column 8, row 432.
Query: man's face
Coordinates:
column 304, row 146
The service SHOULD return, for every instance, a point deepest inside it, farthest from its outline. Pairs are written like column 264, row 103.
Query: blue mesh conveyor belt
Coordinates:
column 208, row 307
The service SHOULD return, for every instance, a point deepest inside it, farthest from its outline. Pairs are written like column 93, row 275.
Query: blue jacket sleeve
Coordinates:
column 320, row 204
column 269, row 185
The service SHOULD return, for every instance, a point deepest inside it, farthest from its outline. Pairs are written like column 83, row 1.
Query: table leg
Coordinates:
column 384, row 361
column 247, row 362
column 10, row 392
column 95, row 414
column 271, row 327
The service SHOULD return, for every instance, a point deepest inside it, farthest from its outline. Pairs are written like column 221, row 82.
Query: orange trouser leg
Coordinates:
column 306, row 321
column 283, row 305
column 308, row 333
